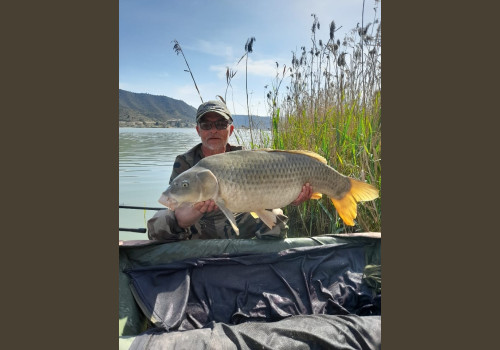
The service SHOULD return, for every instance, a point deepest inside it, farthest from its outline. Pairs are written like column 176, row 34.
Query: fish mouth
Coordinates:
column 169, row 202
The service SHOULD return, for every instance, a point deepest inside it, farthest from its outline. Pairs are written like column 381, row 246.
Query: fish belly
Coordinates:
column 245, row 197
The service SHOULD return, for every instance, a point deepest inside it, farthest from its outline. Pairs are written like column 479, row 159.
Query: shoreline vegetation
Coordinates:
column 332, row 106
column 156, row 124
column 328, row 100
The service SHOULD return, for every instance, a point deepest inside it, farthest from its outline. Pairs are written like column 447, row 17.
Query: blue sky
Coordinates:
column 212, row 34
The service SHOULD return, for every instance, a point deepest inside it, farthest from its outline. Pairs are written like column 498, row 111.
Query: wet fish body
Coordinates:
column 254, row 181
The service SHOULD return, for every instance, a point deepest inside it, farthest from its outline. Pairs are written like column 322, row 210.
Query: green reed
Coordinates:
column 332, row 106
column 351, row 143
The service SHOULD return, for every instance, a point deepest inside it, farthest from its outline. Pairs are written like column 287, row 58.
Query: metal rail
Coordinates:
column 139, row 230
column 145, row 208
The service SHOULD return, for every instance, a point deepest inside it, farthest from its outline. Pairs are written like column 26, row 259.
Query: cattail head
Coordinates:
column 315, row 23
column 249, row 45
column 177, row 47
column 295, row 61
column 332, row 30
column 341, row 59
column 229, row 75
column 363, row 31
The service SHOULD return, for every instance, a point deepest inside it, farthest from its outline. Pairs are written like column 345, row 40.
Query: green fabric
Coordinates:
column 150, row 253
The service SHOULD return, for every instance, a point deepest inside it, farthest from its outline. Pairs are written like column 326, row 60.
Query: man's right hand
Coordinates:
column 189, row 215
column 205, row 206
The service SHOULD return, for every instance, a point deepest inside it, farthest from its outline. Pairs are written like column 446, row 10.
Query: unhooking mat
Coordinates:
column 317, row 295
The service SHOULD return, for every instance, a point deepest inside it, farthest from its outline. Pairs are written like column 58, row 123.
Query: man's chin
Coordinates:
column 215, row 144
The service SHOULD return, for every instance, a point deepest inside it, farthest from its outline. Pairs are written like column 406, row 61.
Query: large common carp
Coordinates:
column 254, row 181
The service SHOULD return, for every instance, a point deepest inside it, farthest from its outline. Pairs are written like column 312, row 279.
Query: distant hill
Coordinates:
column 240, row 121
column 146, row 110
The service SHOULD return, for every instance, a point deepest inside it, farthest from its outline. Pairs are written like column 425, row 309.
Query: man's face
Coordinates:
column 214, row 139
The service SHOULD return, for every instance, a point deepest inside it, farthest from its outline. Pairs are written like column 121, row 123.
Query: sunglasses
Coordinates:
column 219, row 125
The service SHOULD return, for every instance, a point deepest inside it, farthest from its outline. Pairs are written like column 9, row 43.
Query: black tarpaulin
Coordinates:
column 234, row 289
column 297, row 332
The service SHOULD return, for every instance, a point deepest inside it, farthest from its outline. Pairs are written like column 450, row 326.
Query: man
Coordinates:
column 204, row 220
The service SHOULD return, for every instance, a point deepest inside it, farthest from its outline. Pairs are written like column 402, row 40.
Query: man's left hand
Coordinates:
column 305, row 195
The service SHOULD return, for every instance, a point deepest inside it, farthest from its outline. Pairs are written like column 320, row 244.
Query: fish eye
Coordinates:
column 185, row 184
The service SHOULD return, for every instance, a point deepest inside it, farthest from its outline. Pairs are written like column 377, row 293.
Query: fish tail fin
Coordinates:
column 347, row 205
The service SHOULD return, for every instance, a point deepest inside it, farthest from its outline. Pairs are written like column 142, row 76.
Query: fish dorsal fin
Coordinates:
column 307, row 153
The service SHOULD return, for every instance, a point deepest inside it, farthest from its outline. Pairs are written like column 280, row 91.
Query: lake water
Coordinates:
column 146, row 157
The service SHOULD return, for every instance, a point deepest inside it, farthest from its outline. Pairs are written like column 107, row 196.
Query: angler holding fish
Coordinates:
column 209, row 218
column 219, row 191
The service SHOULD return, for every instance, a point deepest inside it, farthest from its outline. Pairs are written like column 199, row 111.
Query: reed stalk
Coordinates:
column 178, row 49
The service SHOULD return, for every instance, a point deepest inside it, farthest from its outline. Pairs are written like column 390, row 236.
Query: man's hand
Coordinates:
column 189, row 215
column 305, row 195
column 205, row 206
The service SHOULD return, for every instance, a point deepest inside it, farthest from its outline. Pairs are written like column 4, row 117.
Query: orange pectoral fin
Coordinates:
column 316, row 195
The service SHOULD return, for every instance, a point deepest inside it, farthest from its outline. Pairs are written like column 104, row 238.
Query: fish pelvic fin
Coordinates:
column 267, row 217
column 347, row 205
column 229, row 214
column 316, row 195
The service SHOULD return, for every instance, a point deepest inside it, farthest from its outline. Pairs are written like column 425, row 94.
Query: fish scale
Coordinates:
column 253, row 181
column 237, row 184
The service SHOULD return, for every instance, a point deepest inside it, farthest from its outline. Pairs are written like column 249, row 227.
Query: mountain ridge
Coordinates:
column 144, row 110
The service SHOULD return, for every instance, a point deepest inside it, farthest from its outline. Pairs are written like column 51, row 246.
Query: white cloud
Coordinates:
column 215, row 48
column 186, row 93
column 262, row 68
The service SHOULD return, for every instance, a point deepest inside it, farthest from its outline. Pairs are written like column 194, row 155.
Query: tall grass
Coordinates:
column 332, row 106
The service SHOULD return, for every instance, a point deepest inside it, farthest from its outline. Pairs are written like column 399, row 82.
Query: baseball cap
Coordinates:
column 213, row 106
